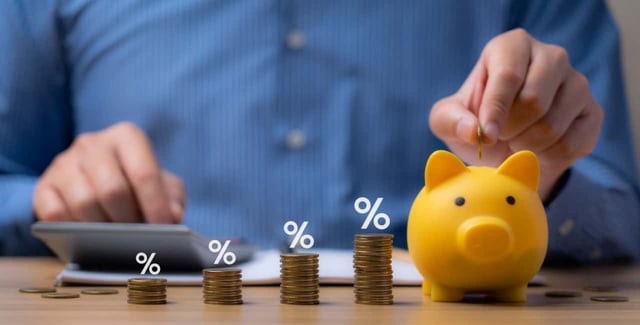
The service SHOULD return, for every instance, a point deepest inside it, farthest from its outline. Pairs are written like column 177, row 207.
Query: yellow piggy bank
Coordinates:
column 478, row 229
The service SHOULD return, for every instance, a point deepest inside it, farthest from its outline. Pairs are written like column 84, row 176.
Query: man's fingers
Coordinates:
column 113, row 191
column 506, row 59
column 579, row 140
column 135, row 154
column 570, row 147
column 548, row 69
column 177, row 195
column 48, row 204
column 451, row 121
column 78, row 195
column 568, row 104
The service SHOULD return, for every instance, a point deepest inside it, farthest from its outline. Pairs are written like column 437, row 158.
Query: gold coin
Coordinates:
column 311, row 275
column 375, row 276
column 372, row 239
column 146, row 293
column 300, row 298
column 222, row 271
column 222, row 293
column 222, row 299
column 222, row 278
column 148, row 281
column 374, row 268
column 294, row 302
column 61, row 295
column 383, row 246
column 219, row 302
column 299, row 284
column 144, row 302
column 213, row 298
column 294, row 268
column 222, row 296
column 221, row 289
column 301, row 293
column 480, row 140
column 370, row 297
column 37, row 290
column 610, row 298
column 299, row 280
column 359, row 281
column 99, row 291
column 147, row 298
column 374, row 302
column 294, row 265
column 373, row 285
column 147, row 290
column 222, row 281
column 299, row 256
column 602, row 288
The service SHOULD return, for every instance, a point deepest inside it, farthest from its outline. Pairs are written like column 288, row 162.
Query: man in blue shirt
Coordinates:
column 268, row 111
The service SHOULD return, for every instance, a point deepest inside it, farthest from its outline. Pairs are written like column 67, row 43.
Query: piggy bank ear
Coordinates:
column 441, row 166
column 524, row 167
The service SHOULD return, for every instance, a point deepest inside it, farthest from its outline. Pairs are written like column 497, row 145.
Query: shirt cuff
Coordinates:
column 16, row 217
column 593, row 222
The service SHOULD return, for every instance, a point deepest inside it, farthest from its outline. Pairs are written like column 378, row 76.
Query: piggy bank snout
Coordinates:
column 484, row 238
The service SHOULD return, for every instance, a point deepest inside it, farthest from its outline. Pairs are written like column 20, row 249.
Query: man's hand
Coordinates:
column 110, row 175
column 525, row 95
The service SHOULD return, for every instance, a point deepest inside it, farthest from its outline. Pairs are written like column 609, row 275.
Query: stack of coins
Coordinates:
column 300, row 280
column 147, row 291
column 222, row 286
column 373, row 282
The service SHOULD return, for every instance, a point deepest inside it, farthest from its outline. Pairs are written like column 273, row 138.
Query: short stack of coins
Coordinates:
column 300, row 282
column 222, row 286
column 373, row 283
column 147, row 291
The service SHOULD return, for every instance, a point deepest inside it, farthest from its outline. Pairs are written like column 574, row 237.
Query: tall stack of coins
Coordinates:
column 147, row 291
column 222, row 286
column 300, row 280
column 373, row 281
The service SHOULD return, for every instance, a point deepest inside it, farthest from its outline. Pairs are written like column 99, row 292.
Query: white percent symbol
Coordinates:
column 305, row 240
column 153, row 268
column 380, row 220
column 216, row 247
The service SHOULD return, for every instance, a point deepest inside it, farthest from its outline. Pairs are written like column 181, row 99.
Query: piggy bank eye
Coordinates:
column 511, row 200
column 459, row 201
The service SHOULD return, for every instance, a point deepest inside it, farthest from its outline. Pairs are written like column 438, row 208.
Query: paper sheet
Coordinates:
column 335, row 267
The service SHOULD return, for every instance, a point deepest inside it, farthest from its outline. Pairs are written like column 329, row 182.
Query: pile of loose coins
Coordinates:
column 53, row 293
column 147, row 291
column 373, row 283
column 222, row 286
column 300, row 282
column 602, row 297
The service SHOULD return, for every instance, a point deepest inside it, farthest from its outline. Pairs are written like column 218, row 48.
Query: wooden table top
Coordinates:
column 262, row 304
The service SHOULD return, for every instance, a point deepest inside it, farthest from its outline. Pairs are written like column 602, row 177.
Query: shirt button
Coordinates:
column 566, row 227
column 295, row 40
column 296, row 139
column 596, row 254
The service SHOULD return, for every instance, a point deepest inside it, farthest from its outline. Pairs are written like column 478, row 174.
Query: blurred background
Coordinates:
column 627, row 13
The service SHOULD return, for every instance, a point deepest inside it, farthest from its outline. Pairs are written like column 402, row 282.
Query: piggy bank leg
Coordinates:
column 440, row 293
column 517, row 294
column 426, row 288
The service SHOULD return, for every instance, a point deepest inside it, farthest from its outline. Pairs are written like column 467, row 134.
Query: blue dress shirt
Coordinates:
column 290, row 110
